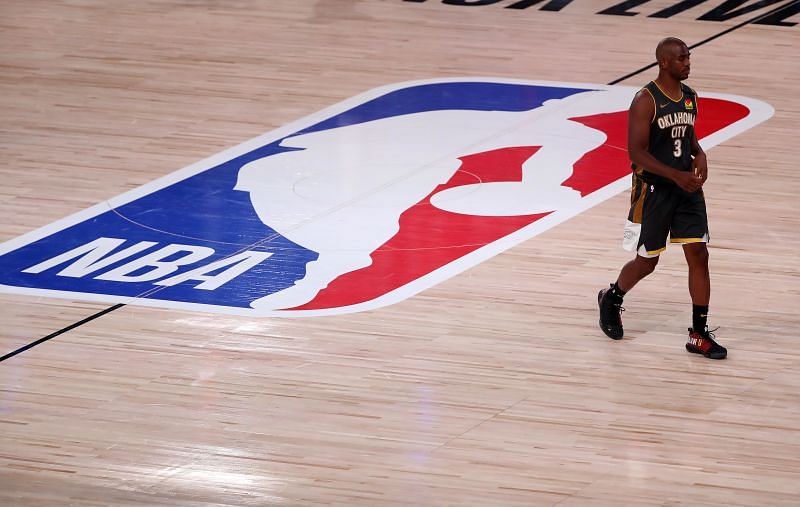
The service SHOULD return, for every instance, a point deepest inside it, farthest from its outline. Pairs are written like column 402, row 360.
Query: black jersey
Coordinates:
column 671, row 131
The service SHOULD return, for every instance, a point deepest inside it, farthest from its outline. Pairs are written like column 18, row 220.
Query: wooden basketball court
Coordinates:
column 493, row 387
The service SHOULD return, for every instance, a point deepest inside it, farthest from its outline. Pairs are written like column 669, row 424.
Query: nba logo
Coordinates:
column 358, row 206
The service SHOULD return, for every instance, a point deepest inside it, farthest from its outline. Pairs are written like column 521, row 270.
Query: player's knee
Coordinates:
column 696, row 254
column 646, row 265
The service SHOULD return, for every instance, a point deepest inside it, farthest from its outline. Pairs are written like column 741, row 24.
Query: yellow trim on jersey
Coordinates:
column 687, row 240
column 656, row 252
column 655, row 106
column 638, row 205
column 667, row 95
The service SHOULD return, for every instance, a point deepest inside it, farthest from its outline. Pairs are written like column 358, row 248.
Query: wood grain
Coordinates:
column 493, row 388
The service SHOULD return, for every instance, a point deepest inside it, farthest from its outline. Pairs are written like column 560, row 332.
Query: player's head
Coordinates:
column 672, row 56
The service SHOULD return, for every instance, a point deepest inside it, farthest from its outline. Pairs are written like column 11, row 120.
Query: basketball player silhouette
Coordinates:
column 341, row 193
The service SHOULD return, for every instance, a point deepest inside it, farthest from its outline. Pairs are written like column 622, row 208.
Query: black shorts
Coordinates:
column 658, row 210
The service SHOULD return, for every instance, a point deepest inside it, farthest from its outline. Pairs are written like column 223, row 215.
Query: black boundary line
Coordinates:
column 62, row 331
column 704, row 41
column 623, row 78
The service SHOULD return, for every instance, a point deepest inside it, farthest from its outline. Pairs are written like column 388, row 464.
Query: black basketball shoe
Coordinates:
column 610, row 309
column 702, row 342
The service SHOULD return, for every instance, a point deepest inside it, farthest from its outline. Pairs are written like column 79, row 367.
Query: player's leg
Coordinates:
column 646, row 232
column 610, row 300
column 634, row 271
column 701, row 340
column 690, row 228
column 699, row 278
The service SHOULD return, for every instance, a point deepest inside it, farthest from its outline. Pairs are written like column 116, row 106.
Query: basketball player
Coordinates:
column 669, row 170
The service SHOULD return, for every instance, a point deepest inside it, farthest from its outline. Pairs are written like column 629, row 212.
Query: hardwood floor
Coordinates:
column 492, row 387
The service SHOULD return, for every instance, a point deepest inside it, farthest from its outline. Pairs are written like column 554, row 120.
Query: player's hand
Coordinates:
column 688, row 181
column 700, row 166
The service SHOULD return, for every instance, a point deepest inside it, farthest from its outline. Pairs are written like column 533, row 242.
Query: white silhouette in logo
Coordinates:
column 342, row 194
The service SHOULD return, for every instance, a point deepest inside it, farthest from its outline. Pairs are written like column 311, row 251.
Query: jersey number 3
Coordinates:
column 678, row 148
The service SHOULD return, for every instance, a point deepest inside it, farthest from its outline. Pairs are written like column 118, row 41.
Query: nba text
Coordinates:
column 145, row 261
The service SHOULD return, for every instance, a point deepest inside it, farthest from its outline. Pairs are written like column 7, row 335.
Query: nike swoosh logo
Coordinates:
column 662, row 106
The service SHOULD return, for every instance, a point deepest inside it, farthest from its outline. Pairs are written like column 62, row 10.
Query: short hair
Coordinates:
column 668, row 42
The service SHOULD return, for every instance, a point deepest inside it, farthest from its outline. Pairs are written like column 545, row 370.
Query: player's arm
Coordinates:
column 640, row 116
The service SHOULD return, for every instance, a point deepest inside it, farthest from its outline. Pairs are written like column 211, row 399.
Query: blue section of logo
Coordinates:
column 441, row 96
column 205, row 211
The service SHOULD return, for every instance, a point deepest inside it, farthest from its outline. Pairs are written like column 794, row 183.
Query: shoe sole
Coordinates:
column 709, row 355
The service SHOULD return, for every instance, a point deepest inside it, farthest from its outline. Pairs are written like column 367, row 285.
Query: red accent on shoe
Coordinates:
column 697, row 340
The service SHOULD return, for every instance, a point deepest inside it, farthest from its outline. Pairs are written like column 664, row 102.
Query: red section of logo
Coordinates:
column 606, row 163
column 716, row 115
column 430, row 238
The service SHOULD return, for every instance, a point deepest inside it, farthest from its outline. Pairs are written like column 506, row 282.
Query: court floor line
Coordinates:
column 61, row 331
